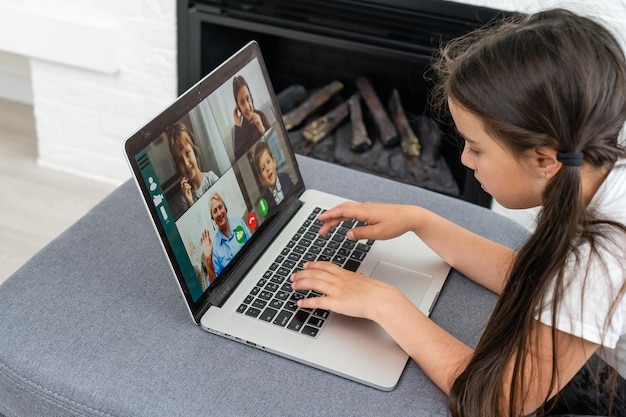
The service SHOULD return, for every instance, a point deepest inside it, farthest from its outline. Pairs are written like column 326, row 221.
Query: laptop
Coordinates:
column 228, row 203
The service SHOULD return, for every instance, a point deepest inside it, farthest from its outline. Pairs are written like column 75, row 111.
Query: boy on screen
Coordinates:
column 277, row 185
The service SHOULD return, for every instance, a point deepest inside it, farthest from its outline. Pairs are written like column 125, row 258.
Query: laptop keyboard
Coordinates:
column 273, row 300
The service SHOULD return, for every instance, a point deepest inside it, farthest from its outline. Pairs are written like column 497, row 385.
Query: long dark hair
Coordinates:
column 551, row 79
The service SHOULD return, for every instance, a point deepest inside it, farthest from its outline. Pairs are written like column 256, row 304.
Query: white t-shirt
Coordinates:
column 603, row 281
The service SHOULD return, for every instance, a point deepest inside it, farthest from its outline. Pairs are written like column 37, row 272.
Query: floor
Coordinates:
column 36, row 203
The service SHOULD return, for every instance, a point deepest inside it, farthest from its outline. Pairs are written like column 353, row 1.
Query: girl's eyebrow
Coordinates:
column 465, row 138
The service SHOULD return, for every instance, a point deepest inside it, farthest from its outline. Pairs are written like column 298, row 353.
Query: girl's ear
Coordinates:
column 544, row 157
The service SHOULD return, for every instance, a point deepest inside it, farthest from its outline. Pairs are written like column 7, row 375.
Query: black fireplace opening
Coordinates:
column 313, row 43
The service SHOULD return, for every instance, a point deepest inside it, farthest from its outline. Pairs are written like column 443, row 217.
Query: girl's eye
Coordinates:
column 469, row 149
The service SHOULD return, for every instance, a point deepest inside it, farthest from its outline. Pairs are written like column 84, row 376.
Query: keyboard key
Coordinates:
column 338, row 238
column 352, row 265
column 348, row 244
column 297, row 296
column 268, row 314
column 357, row 255
column 265, row 295
column 283, row 271
column 281, row 295
column 321, row 313
column 289, row 263
column 363, row 247
column 339, row 260
column 343, row 252
column 253, row 312
column 310, row 331
column 315, row 321
column 277, row 279
column 241, row 308
column 283, row 318
column 259, row 303
column 298, row 320
column 319, row 242
column 333, row 244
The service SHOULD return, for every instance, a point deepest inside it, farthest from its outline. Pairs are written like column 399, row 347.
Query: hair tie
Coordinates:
column 570, row 159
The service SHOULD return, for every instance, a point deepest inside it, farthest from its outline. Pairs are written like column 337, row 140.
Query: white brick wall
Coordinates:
column 84, row 116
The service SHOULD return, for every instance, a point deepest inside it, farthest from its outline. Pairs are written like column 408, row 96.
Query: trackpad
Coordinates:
column 413, row 284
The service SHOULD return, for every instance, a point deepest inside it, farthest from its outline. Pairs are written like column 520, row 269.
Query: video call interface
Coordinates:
column 217, row 174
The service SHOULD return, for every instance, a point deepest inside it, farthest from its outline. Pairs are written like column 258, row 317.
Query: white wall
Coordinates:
column 98, row 71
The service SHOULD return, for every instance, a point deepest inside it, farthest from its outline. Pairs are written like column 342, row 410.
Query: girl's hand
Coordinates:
column 185, row 189
column 345, row 292
column 384, row 221
column 237, row 116
column 256, row 119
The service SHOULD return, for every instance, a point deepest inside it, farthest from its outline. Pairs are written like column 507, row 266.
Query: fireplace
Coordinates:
column 314, row 42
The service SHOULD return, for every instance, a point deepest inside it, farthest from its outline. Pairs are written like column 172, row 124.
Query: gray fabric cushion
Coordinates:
column 94, row 325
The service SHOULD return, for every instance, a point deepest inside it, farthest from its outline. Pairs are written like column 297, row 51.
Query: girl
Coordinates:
column 250, row 123
column 540, row 102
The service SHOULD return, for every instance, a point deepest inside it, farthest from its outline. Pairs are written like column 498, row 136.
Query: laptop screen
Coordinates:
column 215, row 168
